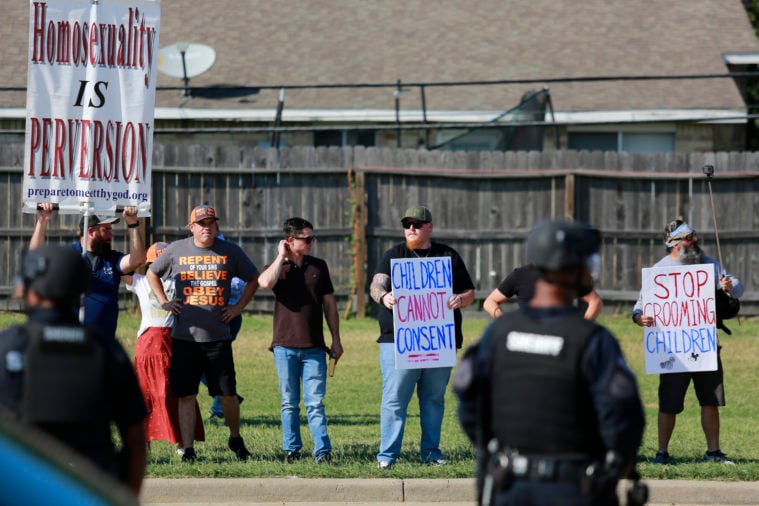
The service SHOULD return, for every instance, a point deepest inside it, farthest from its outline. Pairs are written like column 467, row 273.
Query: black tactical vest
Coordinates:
column 64, row 375
column 541, row 403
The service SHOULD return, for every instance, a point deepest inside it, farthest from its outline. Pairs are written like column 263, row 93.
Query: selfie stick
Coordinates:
column 709, row 172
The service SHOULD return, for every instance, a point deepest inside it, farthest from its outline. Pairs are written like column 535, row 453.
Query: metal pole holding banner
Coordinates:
column 709, row 173
column 85, row 229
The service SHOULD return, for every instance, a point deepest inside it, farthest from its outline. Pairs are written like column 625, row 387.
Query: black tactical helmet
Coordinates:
column 56, row 272
column 556, row 244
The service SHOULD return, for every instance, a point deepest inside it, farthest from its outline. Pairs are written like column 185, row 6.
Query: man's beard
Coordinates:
column 415, row 244
column 692, row 255
column 100, row 246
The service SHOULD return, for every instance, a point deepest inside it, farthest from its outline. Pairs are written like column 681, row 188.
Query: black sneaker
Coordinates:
column 292, row 457
column 188, row 455
column 325, row 459
column 661, row 458
column 237, row 445
column 718, row 457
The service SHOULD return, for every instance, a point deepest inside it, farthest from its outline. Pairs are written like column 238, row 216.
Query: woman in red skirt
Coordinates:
column 152, row 358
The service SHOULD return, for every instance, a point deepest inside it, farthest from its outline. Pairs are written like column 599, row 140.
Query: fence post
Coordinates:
column 569, row 196
column 356, row 185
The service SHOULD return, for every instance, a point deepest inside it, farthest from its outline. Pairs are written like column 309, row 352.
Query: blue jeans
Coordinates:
column 397, row 389
column 308, row 365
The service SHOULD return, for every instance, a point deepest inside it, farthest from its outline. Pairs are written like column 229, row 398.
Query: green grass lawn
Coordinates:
column 353, row 400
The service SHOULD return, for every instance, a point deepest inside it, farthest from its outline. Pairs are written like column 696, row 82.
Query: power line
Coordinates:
column 547, row 80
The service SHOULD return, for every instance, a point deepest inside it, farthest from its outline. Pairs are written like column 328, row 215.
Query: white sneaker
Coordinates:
column 384, row 465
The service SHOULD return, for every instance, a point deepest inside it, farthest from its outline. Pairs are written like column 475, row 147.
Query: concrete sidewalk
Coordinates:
column 410, row 492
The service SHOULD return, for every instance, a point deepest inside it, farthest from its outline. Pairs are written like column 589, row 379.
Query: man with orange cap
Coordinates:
column 202, row 267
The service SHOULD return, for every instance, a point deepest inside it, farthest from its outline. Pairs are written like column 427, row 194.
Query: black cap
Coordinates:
column 94, row 220
column 555, row 244
column 56, row 272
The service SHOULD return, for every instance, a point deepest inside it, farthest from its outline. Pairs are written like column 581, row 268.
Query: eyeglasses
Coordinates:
column 688, row 237
column 308, row 239
column 413, row 223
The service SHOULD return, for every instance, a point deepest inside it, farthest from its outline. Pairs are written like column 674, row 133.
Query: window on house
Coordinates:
column 648, row 143
column 344, row 138
column 633, row 142
column 593, row 141
column 328, row 138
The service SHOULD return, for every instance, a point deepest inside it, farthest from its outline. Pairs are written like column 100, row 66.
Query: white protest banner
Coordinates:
column 684, row 335
column 90, row 104
column 423, row 325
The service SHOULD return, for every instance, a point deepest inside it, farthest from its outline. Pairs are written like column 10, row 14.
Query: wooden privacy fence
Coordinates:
column 483, row 204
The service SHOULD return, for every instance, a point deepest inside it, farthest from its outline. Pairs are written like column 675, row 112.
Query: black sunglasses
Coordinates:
column 308, row 240
column 413, row 223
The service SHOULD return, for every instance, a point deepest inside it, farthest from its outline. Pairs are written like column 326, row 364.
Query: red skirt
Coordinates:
column 152, row 358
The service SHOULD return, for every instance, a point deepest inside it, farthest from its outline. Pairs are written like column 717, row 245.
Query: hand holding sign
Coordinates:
column 454, row 302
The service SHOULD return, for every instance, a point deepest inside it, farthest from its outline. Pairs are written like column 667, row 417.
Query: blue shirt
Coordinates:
column 101, row 304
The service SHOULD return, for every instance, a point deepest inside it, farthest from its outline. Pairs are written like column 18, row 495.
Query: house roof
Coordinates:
column 289, row 42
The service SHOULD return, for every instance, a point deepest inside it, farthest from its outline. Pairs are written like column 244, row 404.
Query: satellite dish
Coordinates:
column 185, row 60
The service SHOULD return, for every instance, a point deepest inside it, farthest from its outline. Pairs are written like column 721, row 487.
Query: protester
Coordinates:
column 304, row 298
column 683, row 249
column 152, row 358
column 202, row 268
column 69, row 380
column 521, row 283
column 101, row 305
column 546, row 395
column 398, row 384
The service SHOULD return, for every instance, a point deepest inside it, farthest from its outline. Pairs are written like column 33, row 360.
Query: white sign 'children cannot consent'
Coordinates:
column 424, row 330
column 684, row 335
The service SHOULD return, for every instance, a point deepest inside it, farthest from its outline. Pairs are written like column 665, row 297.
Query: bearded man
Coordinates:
column 683, row 249
column 398, row 384
column 101, row 304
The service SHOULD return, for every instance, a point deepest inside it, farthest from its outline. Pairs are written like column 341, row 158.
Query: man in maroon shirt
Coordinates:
column 304, row 297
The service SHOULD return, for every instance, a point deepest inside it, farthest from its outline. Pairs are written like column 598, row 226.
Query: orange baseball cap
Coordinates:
column 201, row 213
column 155, row 250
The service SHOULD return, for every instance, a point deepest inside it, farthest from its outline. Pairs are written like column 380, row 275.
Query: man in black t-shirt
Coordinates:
column 521, row 283
column 398, row 384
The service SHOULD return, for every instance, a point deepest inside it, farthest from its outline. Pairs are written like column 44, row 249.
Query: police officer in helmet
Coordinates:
column 68, row 380
column 546, row 396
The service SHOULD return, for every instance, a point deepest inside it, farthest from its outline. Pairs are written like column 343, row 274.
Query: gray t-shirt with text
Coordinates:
column 203, row 280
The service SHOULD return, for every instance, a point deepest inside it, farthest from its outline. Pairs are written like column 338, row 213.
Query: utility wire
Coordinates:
column 578, row 79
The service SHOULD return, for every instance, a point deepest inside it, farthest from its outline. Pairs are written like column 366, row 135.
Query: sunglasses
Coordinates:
column 413, row 223
column 688, row 237
column 308, row 240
